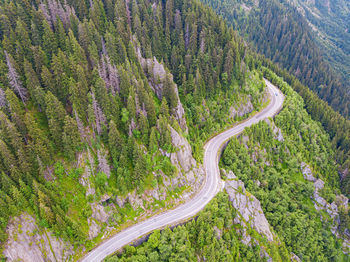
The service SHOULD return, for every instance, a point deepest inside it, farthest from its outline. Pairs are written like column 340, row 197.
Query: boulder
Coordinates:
column 307, row 173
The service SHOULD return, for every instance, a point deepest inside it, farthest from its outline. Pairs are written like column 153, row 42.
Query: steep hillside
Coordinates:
column 282, row 199
column 312, row 46
column 330, row 21
column 97, row 99
column 104, row 110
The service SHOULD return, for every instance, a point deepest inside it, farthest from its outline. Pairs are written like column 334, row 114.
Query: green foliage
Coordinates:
column 306, row 38
column 257, row 155
column 94, row 109
column 212, row 236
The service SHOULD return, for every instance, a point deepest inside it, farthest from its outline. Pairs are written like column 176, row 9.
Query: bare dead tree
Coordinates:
column 103, row 164
column 187, row 36
column 132, row 126
column 54, row 9
column 3, row 101
column 80, row 125
column 104, row 50
column 14, row 80
column 128, row 14
column 113, row 78
column 109, row 73
column 99, row 116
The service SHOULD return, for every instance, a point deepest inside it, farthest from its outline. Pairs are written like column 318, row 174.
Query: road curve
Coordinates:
column 212, row 185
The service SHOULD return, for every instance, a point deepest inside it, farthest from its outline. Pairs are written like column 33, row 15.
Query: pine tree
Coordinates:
column 153, row 141
column 49, row 40
column 33, row 85
column 169, row 92
column 71, row 137
column 55, row 115
column 7, row 157
column 16, row 111
column 38, row 143
column 115, row 142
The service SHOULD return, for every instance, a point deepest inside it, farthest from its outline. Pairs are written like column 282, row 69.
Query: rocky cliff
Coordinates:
column 28, row 242
column 250, row 213
column 320, row 203
column 157, row 75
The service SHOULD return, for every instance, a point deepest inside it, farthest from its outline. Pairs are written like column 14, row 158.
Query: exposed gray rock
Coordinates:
column 230, row 175
column 319, row 184
column 103, row 165
column 294, row 257
column 257, row 182
column 94, row 228
column 28, row 242
column 99, row 213
column 183, row 156
column 248, row 207
column 344, row 173
column 331, row 208
column 157, row 74
column 264, row 254
column 134, row 200
column 120, row 201
column 245, row 107
column 307, row 173
column 246, row 238
column 218, row 232
column 88, row 171
column 277, row 131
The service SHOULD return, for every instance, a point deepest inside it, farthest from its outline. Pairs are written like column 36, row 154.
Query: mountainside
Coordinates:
column 282, row 199
column 104, row 110
column 330, row 21
column 96, row 101
column 301, row 36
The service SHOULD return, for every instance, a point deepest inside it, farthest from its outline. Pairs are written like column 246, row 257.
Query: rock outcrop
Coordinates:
column 321, row 204
column 190, row 173
column 99, row 213
column 94, row 228
column 28, row 242
column 276, row 131
column 88, row 167
column 157, row 75
column 248, row 207
column 245, row 107
column 307, row 173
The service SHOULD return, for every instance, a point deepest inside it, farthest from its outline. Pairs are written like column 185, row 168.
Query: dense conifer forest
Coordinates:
column 91, row 93
column 72, row 87
column 317, row 55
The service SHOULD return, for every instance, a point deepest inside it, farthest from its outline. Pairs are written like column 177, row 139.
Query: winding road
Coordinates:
column 212, row 185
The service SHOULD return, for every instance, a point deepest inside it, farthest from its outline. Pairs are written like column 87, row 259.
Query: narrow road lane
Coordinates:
column 211, row 187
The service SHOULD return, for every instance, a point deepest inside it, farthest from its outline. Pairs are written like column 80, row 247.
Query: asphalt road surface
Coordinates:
column 212, row 185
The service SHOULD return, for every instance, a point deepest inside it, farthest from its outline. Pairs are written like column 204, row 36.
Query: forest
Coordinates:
column 267, row 157
column 89, row 94
column 73, row 90
column 278, row 30
column 284, row 194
